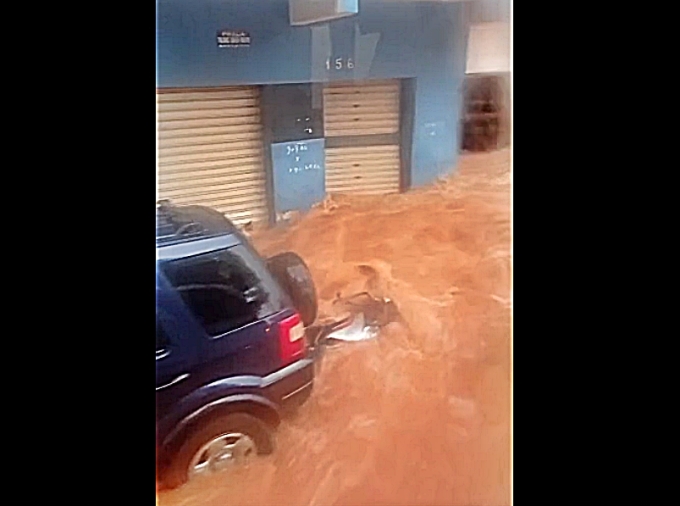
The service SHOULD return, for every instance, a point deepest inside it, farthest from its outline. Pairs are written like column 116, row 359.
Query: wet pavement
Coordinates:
column 420, row 415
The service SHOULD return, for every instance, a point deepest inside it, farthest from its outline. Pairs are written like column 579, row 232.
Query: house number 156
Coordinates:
column 339, row 63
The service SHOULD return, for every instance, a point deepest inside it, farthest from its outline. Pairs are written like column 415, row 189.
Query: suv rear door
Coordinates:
column 232, row 298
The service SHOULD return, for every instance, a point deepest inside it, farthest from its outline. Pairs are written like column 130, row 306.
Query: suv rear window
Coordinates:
column 220, row 289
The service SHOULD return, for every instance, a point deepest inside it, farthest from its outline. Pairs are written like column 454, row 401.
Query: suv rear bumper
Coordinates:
column 291, row 386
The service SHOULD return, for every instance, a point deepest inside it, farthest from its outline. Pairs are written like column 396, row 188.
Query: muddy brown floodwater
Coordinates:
column 421, row 415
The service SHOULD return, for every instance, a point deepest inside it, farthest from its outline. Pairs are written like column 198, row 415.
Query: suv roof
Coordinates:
column 184, row 223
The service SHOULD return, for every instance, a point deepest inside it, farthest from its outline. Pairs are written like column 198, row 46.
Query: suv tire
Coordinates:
column 255, row 429
column 294, row 277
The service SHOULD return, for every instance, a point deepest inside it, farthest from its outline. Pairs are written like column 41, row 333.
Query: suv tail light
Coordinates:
column 292, row 339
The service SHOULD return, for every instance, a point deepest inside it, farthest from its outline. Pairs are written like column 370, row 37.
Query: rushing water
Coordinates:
column 420, row 415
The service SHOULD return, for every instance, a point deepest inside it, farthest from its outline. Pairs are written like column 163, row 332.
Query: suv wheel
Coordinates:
column 225, row 442
column 294, row 277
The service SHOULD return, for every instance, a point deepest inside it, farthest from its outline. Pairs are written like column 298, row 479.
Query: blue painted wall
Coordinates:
column 299, row 174
column 386, row 40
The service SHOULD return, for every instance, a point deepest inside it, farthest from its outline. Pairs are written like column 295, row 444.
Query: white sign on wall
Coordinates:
column 233, row 38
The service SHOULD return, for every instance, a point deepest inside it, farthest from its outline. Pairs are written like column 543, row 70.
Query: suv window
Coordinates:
column 220, row 289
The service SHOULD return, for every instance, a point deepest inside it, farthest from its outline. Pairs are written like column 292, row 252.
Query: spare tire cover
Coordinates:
column 293, row 275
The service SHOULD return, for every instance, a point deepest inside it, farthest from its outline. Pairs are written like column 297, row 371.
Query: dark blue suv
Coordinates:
column 231, row 349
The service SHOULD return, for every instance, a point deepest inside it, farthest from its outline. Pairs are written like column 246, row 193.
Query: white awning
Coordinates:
column 488, row 48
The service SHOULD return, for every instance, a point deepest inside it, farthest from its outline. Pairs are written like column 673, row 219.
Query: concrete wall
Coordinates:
column 426, row 41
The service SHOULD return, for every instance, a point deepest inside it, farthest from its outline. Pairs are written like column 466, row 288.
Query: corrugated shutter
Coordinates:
column 210, row 150
column 362, row 170
column 362, row 109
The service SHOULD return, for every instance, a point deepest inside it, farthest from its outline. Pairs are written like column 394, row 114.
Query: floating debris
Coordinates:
column 357, row 330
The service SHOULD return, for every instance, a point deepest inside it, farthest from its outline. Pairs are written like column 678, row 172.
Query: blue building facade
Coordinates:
column 420, row 44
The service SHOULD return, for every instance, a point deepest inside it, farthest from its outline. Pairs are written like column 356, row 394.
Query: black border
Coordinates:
column 99, row 369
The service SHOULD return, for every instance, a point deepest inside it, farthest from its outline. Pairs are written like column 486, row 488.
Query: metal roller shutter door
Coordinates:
column 362, row 109
column 210, row 150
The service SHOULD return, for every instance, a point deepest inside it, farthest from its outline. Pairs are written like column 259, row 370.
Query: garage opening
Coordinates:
column 486, row 122
column 210, row 150
column 362, row 129
column 487, row 112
